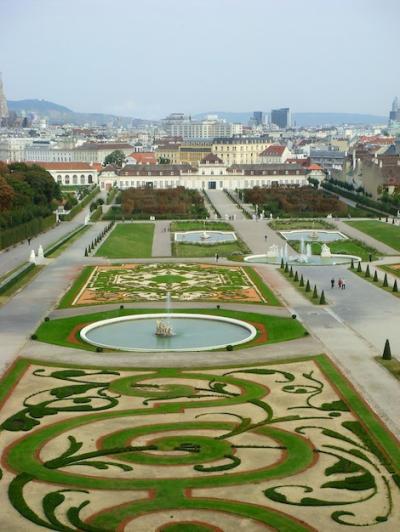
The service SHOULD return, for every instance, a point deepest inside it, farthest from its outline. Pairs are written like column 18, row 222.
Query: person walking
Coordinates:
column 216, row 257
column 332, row 283
column 343, row 284
column 339, row 283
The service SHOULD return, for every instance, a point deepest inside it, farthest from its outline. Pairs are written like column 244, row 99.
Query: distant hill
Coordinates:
column 58, row 114
column 307, row 119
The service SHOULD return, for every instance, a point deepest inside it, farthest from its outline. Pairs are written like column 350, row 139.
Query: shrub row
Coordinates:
column 53, row 247
column 362, row 201
column 13, row 235
column 98, row 239
column 304, row 285
column 238, row 205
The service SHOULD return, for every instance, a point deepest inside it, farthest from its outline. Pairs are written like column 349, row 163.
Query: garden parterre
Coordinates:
column 184, row 282
column 250, row 448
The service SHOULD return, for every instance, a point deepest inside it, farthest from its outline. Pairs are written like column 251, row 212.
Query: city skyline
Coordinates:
column 203, row 56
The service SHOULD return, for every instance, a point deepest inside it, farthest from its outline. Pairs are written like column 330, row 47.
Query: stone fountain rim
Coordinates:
column 232, row 233
column 179, row 315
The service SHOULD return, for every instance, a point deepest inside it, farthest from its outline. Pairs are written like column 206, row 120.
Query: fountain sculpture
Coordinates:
column 163, row 326
column 205, row 235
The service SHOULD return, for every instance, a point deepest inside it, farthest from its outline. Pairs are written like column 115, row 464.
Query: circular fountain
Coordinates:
column 205, row 237
column 177, row 332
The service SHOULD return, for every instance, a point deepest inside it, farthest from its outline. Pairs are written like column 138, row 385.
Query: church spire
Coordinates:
column 3, row 101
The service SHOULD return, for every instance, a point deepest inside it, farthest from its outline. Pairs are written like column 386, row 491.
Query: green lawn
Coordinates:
column 128, row 240
column 391, row 269
column 199, row 226
column 393, row 366
column 343, row 247
column 386, row 233
column 206, row 250
column 278, row 329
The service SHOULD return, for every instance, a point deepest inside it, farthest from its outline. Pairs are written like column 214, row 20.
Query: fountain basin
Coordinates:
column 313, row 260
column 205, row 237
column 192, row 332
column 313, row 235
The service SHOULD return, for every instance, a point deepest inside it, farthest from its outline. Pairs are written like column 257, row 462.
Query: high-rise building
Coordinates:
column 394, row 115
column 258, row 118
column 281, row 118
column 3, row 101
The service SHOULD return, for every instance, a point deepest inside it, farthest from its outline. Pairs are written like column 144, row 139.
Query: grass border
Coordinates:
column 47, row 333
column 392, row 366
column 378, row 284
column 355, row 225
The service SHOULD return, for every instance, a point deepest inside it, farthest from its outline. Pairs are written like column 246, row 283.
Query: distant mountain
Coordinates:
column 307, row 119
column 58, row 114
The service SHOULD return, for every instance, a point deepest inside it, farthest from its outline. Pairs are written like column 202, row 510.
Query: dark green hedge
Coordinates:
column 10, row 281
column 13, row 235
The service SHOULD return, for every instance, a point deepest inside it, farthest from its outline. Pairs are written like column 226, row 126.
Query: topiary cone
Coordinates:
column 375, row 279
column 385, row 281
column 86, row 252
column 291, row 271
column 301, row 280
column 394, row 289
column 296, row 277
column 322, row 300
column 359, row 270
column 387, row 353
column 308, row 287
column 282, row 264
column 315, row 292
column 352, row 264
column 286, row 267
column 367, row 272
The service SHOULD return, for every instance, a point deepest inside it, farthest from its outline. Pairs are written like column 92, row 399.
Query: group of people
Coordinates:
column 341, row 284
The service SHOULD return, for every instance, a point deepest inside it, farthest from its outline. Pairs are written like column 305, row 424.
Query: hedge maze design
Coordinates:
column 200, row 450
column 151, row 282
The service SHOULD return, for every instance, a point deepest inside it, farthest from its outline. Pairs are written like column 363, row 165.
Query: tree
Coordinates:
column 117, row 157
column 7, row 194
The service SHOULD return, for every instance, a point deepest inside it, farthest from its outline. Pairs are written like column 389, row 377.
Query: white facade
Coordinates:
column 208, row 176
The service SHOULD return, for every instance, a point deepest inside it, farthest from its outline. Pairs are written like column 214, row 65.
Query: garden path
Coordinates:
column 161, row 239
column 19, row 254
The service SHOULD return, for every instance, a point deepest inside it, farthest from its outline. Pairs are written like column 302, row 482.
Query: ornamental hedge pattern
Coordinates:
column 151, row 282
column 289, row 446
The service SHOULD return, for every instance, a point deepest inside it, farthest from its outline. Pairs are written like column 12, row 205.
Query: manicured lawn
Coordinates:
column 387, row 233
column 343, row 247
column 394, row 269
column 291, row 224
column 206, row 250
column 199, row 226
column 128, row 240
column 56, row 331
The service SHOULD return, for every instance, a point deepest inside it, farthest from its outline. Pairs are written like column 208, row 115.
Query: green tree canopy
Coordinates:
column 117, row 157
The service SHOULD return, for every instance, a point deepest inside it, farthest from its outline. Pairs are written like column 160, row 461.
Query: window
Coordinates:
column 90, row 178
column 82, row 179
column 67, row 179
column 59, row 179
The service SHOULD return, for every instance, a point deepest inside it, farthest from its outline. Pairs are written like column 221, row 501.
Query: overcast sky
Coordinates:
column 147, row 58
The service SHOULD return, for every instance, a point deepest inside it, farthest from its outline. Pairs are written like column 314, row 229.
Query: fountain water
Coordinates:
column 205, row 235
column 302, row 246
column 163, row 326
column 308, row 250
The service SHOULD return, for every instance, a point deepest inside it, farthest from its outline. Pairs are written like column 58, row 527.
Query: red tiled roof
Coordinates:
column 376, row 139
column 314, row 167
column 147, row 157
column 66, row 166
column 274, row 150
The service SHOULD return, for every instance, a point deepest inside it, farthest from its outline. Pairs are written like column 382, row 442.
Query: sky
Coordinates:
column 148, row 58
